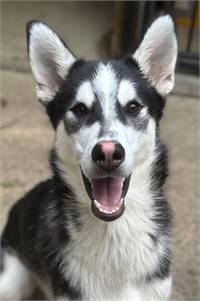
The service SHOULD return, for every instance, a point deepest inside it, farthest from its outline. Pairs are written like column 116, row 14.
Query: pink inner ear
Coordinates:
column 49, row 58
column 157, row 54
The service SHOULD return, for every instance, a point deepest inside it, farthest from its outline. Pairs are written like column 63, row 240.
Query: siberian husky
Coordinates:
column 100, row 228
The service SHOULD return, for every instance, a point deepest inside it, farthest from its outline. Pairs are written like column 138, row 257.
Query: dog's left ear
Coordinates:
column 50, row 59
column 157, row 54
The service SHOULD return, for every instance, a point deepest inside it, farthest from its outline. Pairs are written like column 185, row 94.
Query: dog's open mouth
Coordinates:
column 107, row 195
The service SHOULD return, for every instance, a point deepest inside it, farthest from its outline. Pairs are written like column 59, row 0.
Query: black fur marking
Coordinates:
column 36, row 229
column 65, row 192
column 153, row 238
column 1, row 260
column 121, row 114
column 94, row 115
column 63, row 101
column 61, row 287
column 163, row 217
column 160, row 168
column 159, row 175
column 129, row 69
column 162, row 271
column 136, row 121
column 83, row 71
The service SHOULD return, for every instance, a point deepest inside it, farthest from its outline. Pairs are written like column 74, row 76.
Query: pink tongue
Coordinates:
column 108, row 191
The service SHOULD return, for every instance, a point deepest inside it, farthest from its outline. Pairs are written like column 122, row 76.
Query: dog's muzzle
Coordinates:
column 107, row 193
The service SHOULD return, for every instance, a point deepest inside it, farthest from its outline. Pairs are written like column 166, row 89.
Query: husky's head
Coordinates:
column 105, row 113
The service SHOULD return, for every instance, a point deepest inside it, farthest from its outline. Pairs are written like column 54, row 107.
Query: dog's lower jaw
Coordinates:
column 111, row 204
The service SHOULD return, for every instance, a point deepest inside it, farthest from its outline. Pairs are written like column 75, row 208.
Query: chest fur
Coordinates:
column 103, row 259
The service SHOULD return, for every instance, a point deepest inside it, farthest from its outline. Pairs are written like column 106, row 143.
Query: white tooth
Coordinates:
column 97, row 204
column 121, row 201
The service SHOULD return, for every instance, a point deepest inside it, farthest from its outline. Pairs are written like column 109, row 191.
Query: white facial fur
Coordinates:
column 138, row 144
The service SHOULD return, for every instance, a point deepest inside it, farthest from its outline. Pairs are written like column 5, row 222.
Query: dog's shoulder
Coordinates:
column 25, row 211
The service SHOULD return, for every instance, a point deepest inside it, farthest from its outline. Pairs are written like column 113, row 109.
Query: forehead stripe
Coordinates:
column 105, row 86
column 105, row 80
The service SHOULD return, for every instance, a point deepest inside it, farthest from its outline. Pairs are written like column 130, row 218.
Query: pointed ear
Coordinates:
column 50, row 59
column 157, row 54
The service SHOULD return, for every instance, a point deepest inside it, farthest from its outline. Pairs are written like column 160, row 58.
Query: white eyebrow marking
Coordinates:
column 85, row 94
column 126, row 92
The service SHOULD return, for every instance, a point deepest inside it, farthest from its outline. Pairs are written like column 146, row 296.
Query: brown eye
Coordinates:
column 134, row 107
column 80, row 109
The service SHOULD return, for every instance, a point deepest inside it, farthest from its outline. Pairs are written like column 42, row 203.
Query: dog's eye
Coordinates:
column 80, row 109
column 134, row 107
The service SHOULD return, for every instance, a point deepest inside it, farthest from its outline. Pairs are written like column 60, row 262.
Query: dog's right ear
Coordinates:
column 50, row 59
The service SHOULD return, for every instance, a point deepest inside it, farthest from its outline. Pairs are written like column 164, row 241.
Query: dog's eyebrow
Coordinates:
column 126, row 92
column 85, row 94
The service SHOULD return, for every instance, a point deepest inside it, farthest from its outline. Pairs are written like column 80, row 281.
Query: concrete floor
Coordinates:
column 23, row 123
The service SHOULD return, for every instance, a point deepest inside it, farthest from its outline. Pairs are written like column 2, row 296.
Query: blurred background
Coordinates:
column 100, row 30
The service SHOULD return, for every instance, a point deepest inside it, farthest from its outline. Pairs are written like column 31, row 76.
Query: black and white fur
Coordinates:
column 51, row 237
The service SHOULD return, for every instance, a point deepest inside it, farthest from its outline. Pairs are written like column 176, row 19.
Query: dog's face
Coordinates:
column 105, row 113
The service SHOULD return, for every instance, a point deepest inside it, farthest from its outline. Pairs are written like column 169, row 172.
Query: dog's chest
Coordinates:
column 103, row 260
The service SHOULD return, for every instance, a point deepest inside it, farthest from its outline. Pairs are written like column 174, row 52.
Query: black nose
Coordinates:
column 108, row 155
